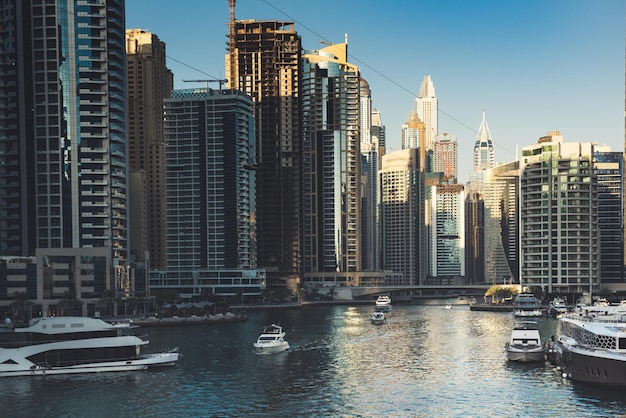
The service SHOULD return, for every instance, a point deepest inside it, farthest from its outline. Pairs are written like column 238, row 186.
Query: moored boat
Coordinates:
column 69, row 345
column 526, row 304
column 557, row 306
column 271, row 340
column 525, row 343
column 590, row 345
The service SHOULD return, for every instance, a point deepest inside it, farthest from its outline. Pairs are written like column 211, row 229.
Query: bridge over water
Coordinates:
column 365, row 292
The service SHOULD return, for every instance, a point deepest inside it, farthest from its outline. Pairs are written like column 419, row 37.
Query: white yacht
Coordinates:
column 383, row 302
column 64, row 345
column 271, row 340
column 525, row 343
column 591, row 345
column 527, row 305
column 378, row 318
column 557, row 306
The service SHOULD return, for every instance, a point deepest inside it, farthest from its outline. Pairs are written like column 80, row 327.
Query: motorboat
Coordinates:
column 525, row 343
column 590, row 345
column 557, row 306
column 383, row 302
column 66, row 345
column 271, row 340
column 448, row 306
column 378, row 318
column 527, row 305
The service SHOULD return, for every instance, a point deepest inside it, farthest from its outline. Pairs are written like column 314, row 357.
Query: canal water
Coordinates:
column 426, row 361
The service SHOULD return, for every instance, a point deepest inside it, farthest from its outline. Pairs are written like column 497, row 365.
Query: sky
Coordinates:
column 533, row 66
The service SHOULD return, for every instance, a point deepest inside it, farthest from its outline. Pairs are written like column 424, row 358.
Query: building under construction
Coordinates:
column 264, row 61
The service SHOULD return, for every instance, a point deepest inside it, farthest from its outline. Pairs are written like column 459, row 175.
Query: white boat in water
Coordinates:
column 271, row 340
column 383, row 302
column 525, row 343
column 527, row 305
column 591, row 345
column 557, row 306
column 68, row 345
column 378, row 318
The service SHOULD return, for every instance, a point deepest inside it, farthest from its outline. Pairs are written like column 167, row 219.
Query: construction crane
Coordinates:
column 232, row 43
column 222, row 82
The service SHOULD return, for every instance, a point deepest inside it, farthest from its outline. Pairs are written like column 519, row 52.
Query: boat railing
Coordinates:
column 594, row 317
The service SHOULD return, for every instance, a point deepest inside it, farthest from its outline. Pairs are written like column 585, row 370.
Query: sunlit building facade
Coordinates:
column 331, row 161
column 428, row 111
column 559, row 216
column 403, row 237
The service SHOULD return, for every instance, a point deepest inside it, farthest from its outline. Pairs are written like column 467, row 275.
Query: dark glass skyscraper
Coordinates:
column 63, row 139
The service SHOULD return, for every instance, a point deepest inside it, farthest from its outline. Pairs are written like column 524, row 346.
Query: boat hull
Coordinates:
column 378, row 321
column 591, row 366
column 526, row 355
column 271, row 349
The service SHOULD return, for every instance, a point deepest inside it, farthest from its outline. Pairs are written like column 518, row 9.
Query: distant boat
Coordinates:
column 557, row 306
column 383, row 302
column 378, row 318
column 448, row 306
column 525, row 343
column 526, row 304
column 271, row 340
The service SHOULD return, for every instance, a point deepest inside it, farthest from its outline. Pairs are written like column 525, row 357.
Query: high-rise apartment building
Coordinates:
column 331, row 161
column 63, row 145
column 609, row 169
column 427, row 110
column 149, row 84
column 413, row 131
column 403, row 237
column 445, row 157
column 210, row 146
column 264, row 61
column 559, row 216
column 369, row 182
column 378, row 135
column 447, row 238
column 500, row 223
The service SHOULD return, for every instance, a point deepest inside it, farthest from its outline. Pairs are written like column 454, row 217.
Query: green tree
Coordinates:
column 21, row 305
column 70, row 303
column 109, row 299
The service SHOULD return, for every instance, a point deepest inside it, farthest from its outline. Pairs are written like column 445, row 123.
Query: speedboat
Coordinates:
column 64, row 345
column 271, row 340
column 525, row 343
column 448, row 306
column 383, row 302
column 590, row 345
column 378, row 318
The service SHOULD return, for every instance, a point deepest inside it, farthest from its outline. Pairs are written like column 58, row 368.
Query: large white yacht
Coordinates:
column 64, row 345
column 383, row 303
column 591, row 345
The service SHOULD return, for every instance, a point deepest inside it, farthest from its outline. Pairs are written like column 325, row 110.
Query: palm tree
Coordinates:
column 21, row 304
column 70, row 302
column 109, row 299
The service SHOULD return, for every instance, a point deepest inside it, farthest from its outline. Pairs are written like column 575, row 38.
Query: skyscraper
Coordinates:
column 331, row 161
column 484, row 156
column 210, row 145
column 264, row 61
column 149, row 84
column 559, row 216
column 63, row 165
column 445, row 157
column 427, row 110
column 403, row 236
column 369, row 182
column 447, row 239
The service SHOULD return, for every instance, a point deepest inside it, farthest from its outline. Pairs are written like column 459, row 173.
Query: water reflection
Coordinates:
column 425, row 361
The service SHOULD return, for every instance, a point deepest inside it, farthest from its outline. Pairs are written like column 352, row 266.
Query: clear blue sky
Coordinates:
column 534, row 66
